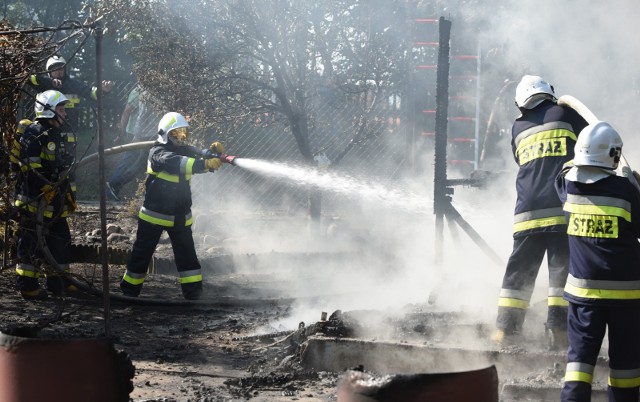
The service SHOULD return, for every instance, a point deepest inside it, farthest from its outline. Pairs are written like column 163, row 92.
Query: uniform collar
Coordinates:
column 588, row 174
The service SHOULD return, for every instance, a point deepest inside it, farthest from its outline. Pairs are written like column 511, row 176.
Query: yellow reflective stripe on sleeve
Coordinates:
column 34, row 79
column 539, row 223
column 514, row 303
column 189, row 168
column 94, row 93
column 557, row 301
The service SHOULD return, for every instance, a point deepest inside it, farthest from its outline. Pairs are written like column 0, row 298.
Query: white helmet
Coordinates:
column 55, row 62
column 46, row 103
column 532, row 90
column 599, row 145
column 169, row 122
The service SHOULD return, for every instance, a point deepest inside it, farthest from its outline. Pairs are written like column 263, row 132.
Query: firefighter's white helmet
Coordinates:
column 55, row 62
column 598, row 145
column 175, row 122
column 46, row 103
column 532, row 90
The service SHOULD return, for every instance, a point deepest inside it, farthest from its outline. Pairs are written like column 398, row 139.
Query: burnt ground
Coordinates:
column 203, row 352
column 241, row 342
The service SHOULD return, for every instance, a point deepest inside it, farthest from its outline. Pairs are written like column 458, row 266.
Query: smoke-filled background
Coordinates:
column 585, row 49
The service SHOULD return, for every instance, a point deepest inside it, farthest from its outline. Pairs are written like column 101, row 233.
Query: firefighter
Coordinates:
column 45, row 156
column 167, row 206
column 603, row 286
column 58, row 78
column 543, row 137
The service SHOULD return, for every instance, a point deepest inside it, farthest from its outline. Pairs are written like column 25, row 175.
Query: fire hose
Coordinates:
column 230, row 159
column 583, row 110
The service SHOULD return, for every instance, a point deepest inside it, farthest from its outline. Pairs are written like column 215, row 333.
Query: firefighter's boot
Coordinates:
column 59, row 285
column 192, row 291
column 37, row 294
column 502, row 338
column 129, row 289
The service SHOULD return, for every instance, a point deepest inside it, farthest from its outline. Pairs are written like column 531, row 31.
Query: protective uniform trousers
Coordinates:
column 58, row 240
column 587, row 329
column 520, row 276
column 147, row 238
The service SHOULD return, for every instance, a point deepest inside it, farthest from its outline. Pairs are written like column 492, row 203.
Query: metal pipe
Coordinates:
column 440, row 196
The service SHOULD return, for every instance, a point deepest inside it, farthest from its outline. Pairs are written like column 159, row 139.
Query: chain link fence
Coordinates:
column 369, row 148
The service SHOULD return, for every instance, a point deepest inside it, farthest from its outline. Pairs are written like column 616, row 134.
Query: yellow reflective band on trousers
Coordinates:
column 557, row 301
column 624, row 378
column 190, row 276
column 602, row 289
column 129, row 278
column 513, row 303
column 27, row 270
column 578, row 376
column 577, row 371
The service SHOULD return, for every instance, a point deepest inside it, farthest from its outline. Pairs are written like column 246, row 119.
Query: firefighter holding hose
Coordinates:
column 543, row 138
column 603, row 286
column 45, row 155
column 167, row 206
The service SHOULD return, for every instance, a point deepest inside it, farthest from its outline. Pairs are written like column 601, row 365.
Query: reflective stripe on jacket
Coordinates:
column 45, row 155
column 603, row 227
column 167, row 199
column 543, row 139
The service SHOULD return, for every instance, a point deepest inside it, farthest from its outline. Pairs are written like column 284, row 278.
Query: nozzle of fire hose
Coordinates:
column 230, row 159
column 208, row 154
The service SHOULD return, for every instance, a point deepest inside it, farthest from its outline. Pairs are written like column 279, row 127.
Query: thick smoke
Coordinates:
column 587, row 49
